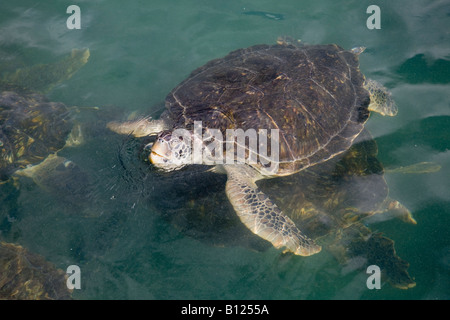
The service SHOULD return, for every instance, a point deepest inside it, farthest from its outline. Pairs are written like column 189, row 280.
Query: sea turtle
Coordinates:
column 31, row 127
column 313, row 97
column 27, row 276
column 333, row 202
column 33, row 130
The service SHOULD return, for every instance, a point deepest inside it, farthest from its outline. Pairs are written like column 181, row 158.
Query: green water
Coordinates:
column 140, row 50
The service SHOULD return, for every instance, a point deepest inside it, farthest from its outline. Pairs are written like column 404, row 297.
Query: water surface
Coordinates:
column 139, row 52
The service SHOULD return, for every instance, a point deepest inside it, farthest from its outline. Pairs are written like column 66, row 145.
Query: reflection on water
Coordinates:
column 129, row 236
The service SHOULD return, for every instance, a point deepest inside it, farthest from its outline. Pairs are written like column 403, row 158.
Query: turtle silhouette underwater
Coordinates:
column 314, row 96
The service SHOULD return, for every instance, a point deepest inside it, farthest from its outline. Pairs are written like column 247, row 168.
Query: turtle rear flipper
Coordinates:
column 380, row 99
column 417, row 168
column 379, row 250
column 261, row 215
column 398, row 210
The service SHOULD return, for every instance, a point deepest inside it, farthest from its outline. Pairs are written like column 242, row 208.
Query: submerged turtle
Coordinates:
column 33, row 129
column 314, row 95
column 27, row 276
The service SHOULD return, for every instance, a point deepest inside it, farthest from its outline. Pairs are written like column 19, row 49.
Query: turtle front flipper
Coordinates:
column 43, row 77
column 138, row 128
column 380, row 99
column 261, row 215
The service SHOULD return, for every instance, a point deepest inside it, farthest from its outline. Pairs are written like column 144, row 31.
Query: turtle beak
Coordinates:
column 160, row 153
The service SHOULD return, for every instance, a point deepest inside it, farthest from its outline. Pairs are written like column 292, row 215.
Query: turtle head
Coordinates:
column 171, row 151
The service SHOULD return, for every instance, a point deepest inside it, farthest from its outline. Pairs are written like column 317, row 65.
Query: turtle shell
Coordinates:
column 31, row 128
column 313, row 94
column 28, row 276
